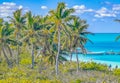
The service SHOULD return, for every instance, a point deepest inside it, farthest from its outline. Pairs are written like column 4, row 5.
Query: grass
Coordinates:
column 45, row 73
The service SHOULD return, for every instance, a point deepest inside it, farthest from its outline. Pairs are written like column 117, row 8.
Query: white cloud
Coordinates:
column 9, row 3
column 44, row 7
column 7, row 9
column 94, row 19
column 79, row 9
column 89, row 10
column 4, row 14
column 104, row 12
column 116, row 7
column 104, row 15
column 66, row 4
column 107, row 2
column 20, row 7
column 112, row 11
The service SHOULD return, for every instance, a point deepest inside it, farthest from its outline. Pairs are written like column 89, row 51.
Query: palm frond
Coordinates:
column 117, row 38
column 117, row 20
column 60, row 9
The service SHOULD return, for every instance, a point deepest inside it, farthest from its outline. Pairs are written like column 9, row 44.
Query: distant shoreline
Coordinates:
column 107, row 33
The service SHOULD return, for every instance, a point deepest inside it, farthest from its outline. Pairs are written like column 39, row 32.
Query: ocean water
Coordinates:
column 102, row 42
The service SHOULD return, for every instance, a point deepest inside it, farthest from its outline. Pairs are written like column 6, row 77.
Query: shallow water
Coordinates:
column 104, row 59
column 102, row 42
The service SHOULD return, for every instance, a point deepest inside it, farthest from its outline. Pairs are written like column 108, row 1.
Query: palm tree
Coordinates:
column 37, row 34
column 32, row 35
column 5, row 41
column 78, row 36
column 45, row 34
column 18, row 21
column 59, row 16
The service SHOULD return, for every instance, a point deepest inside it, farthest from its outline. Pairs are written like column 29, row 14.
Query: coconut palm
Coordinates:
column 5, row 41
column 32, row 35
column 18, row 21
column 78, row 37
column 45, row 35
column 59, row 16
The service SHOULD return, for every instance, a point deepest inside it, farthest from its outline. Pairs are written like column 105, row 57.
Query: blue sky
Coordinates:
column 100, row 14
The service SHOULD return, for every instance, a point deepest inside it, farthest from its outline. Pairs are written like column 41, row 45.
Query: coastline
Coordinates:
column 88, row 59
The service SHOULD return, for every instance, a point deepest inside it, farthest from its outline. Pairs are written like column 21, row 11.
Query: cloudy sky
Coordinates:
column 100, row 14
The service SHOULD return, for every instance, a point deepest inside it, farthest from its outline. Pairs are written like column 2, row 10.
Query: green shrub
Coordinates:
column 26, row 61
column 116, row 72
column 76, row 81
column 93, row 66
column 14, row 80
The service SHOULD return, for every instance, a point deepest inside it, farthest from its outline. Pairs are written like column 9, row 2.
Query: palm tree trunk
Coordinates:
column 32, row 53
column 7, row 60
column 0, row 51
column 12, row 58
column 77, row 60
column 10, row 51
column 17, row 56
column 57, row 62
column 71, row 55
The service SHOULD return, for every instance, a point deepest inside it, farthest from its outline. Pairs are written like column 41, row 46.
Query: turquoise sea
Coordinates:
column 102, row 42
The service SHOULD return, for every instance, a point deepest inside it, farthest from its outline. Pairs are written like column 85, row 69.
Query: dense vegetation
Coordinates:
column 31, row 49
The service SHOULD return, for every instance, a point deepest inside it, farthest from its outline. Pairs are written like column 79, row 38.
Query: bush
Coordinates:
column 93, row 66
column 76, row 81
column 116, row 72
column 14, row 80
column 26, row 61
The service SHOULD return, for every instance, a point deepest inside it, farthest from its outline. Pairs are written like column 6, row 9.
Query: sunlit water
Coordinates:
column 102, row 42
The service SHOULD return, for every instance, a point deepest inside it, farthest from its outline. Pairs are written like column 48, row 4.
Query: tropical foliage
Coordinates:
column 47, row 36
column 32, row 48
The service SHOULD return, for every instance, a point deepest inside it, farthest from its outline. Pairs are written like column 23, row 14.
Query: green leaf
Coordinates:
column 117, row 38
